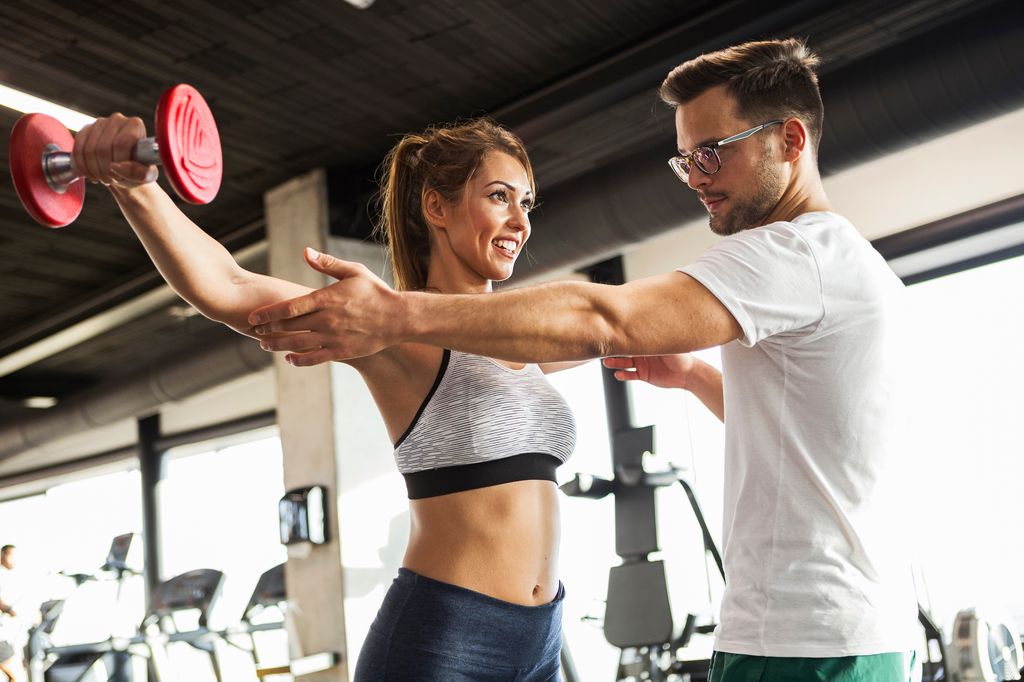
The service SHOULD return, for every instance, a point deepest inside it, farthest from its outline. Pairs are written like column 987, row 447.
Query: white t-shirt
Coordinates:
column 814, row 525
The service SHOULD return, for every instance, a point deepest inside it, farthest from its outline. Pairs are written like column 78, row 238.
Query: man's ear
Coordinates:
column 795, row 136
column 435, row 209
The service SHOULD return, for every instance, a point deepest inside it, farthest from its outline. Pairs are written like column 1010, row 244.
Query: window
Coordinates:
column 588, row 527
column 966, row 437
column 218, row 509
column 70, row 528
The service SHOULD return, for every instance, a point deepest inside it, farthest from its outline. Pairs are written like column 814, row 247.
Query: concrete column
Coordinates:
column 296, row 215
column 332, row 434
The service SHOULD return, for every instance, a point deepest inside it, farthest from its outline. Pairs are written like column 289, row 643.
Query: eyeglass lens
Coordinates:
column 705, row 159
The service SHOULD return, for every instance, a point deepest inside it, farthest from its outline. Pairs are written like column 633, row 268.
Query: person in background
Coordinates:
column 10, row 593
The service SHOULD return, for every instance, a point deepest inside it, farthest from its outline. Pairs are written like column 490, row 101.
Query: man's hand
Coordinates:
column 664, row 371
column 357, row 316
column 674, row 371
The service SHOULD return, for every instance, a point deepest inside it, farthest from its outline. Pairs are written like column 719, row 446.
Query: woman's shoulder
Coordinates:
column 410, row 360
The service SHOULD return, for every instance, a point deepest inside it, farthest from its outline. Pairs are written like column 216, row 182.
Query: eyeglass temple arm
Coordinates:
column 747, row 133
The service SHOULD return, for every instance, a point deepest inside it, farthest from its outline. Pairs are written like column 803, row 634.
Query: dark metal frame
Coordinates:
column 638, row 618
column 952, row 229
column 680, row 165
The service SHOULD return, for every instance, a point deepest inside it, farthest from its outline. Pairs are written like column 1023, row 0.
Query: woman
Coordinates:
column 477, row 440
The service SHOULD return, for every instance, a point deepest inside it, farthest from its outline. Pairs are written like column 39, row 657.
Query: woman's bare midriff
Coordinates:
column 501, row 540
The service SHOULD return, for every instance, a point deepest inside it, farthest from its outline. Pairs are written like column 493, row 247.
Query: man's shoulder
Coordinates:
column 807, row 223
column 781, row 235
column 819, row 232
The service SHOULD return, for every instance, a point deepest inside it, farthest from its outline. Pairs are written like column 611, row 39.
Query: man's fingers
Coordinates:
column 269, row 330
column 619, row 363
column 260, row 336
column 329, row 265
column 309, row 359
column 293, row 342
column 627, row 376
column 285, row 310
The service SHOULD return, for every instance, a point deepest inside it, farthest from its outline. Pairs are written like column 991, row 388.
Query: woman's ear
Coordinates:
column 435, row 209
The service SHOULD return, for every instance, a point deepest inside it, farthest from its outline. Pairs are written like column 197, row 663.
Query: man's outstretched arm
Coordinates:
column 360, row 314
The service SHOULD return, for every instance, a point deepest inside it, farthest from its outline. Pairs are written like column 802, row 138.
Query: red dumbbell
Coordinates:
column 187, row 145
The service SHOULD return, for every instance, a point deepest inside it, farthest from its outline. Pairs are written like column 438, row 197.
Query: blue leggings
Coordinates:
column 428, row 630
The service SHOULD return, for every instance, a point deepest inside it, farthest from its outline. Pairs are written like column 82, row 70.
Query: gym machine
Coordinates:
column 50, row 663
column 110, row 660
column 638, row 618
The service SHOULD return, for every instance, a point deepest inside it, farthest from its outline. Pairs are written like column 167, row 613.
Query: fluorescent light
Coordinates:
column 39, row 402
column 360, row 4
column 30, row 104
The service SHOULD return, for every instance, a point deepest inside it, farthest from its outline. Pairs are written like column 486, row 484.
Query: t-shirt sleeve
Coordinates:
column 767, row 278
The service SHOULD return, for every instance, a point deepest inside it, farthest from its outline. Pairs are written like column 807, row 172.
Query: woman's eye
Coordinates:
column 500, row 194
column 527, row 205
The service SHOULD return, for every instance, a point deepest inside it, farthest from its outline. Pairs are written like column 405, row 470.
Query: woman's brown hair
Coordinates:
column 441, row 158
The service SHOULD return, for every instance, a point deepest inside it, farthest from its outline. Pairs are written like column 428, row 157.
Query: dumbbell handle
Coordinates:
column 59, row 167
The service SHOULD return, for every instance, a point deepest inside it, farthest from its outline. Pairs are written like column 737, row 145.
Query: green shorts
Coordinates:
column 895, row 667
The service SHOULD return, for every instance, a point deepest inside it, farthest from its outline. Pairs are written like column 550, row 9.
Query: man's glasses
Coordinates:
column 706, row 158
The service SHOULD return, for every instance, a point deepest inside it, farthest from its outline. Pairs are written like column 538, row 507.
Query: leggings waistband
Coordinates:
column 427, row 614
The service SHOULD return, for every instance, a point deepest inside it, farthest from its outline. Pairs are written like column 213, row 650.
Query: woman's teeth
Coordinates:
column 505, row 244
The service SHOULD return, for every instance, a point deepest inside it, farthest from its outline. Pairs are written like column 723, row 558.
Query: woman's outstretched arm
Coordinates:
column 194, row 264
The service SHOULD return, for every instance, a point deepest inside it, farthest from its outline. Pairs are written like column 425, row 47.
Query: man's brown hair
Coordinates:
column 768, row 79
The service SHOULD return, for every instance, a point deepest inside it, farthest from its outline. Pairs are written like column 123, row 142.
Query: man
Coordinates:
column 807, row 314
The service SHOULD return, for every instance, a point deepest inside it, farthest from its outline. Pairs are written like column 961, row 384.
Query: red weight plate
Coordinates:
column 29, row 138
column 189, row 144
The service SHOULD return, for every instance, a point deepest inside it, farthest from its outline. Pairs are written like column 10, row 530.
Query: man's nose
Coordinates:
column 697, row 178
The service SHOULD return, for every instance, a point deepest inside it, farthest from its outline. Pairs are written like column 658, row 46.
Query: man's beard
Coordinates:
column 744, row 215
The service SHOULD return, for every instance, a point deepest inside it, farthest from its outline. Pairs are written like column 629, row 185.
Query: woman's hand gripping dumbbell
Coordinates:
column 48, row 165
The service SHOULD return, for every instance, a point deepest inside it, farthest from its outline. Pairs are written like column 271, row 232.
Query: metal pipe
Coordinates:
column 170, row 379
column 111, row 318
column 152, row 468
column 236, row 240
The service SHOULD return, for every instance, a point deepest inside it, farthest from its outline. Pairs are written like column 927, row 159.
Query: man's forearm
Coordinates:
column 705, row 382
column 359, row 315
column 547, row 323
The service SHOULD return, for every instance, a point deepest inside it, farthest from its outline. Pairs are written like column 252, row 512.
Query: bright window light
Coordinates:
column 30, row 104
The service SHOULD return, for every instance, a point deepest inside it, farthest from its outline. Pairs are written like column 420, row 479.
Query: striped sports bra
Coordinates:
column 484, row 424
